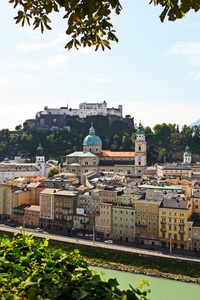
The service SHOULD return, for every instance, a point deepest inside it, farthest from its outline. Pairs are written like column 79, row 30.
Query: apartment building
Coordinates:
column 31, row 215
column 47, row 207
column 21, row 196
column 147, row 221
column 7, row 203
column 103, row 221
column 173, row 222
column 123, row 223
column 65, row 203
column 89, row 201
column 108, row 196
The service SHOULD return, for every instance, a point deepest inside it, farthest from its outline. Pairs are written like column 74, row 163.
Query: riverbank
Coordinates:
column 161, row 267
column 155, row 273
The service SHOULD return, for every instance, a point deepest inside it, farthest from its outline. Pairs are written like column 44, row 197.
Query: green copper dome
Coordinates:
column 187, row 152
column 92, row 139
column 39, row 148
column 140, row 129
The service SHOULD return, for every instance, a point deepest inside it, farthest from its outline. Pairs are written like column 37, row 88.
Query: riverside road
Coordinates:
column 90, row 243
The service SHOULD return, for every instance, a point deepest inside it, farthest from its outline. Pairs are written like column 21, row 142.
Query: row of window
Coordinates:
column 102, row 227
column 175, row 236
column 164, row 219
column 181, row 214
column 125, row 226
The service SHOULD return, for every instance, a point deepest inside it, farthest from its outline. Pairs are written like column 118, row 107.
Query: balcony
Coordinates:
column 181, row 224
column 140, row 225
column 163, row 229
column 163, row 222
column 181, row 232
column 84, row 222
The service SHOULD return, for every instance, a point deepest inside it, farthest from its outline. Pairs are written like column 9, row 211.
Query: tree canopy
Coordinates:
column 53, row 172
column 88, row 21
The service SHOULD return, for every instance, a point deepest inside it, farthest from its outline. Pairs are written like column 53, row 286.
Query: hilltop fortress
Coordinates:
column 58, row 117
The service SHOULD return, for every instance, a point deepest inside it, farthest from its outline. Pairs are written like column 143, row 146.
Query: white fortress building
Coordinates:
column 84, row 110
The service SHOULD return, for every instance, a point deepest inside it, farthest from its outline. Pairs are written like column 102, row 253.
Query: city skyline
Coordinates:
column 153, row 71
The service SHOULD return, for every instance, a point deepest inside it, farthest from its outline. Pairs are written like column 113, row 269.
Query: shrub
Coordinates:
column 29, row 270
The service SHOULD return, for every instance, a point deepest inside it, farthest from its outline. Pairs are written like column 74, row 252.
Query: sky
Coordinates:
column 154, row 70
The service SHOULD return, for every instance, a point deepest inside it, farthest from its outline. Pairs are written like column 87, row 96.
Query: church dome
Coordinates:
column 92, row 139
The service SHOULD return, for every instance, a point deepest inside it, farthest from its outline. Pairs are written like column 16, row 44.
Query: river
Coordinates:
column 161, row 289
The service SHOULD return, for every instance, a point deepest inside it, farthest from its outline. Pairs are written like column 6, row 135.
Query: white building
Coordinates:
column 84, row 110
column 12, row 170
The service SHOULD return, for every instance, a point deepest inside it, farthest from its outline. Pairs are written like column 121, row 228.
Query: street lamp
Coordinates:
column 170, row 245
column 93, row 226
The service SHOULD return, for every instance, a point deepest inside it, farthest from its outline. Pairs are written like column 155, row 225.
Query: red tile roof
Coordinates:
column 117, row 154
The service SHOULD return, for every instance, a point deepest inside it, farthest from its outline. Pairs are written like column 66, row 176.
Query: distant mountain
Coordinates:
column 197, row 123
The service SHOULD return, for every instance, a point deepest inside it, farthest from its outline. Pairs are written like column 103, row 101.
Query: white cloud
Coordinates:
column 58, row 60
column 9, row 118
column 185, row 49
column 60, row 39
column 161, row 111
column 17, row 80
column 31, row 47
column 191, row 51
column 88, row 51
column 193, row 76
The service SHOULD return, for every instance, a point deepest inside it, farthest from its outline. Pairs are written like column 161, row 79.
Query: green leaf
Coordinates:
column 79, row 294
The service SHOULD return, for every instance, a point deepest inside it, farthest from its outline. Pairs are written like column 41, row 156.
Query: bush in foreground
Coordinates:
column 30, row 270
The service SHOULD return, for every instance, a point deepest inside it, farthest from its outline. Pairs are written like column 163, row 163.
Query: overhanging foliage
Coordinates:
column 88, row 21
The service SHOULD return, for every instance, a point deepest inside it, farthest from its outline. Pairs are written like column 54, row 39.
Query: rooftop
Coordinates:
column 174, row 203
column 108, row 153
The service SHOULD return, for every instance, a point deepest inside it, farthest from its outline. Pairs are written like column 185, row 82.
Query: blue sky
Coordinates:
column 154, row 70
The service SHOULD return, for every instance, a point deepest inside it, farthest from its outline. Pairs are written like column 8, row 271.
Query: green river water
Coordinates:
column 161, row 289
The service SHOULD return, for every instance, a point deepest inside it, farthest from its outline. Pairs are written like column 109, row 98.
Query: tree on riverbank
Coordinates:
column 29, row 270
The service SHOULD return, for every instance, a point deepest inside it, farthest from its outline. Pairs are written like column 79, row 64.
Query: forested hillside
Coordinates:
column 163, row 140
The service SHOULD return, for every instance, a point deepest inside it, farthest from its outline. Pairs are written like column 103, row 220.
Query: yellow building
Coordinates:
column 21, row 197
column 7, row 203
column 147, row 219
column 108, row 196
column 173, row 218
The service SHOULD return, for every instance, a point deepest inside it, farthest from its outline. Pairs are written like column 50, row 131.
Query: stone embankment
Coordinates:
column 130, row 269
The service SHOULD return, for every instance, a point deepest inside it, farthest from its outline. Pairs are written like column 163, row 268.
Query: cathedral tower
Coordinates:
column 140, row 151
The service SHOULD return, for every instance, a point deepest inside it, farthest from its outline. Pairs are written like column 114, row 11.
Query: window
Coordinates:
column 163, row 212
column 175, row 237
